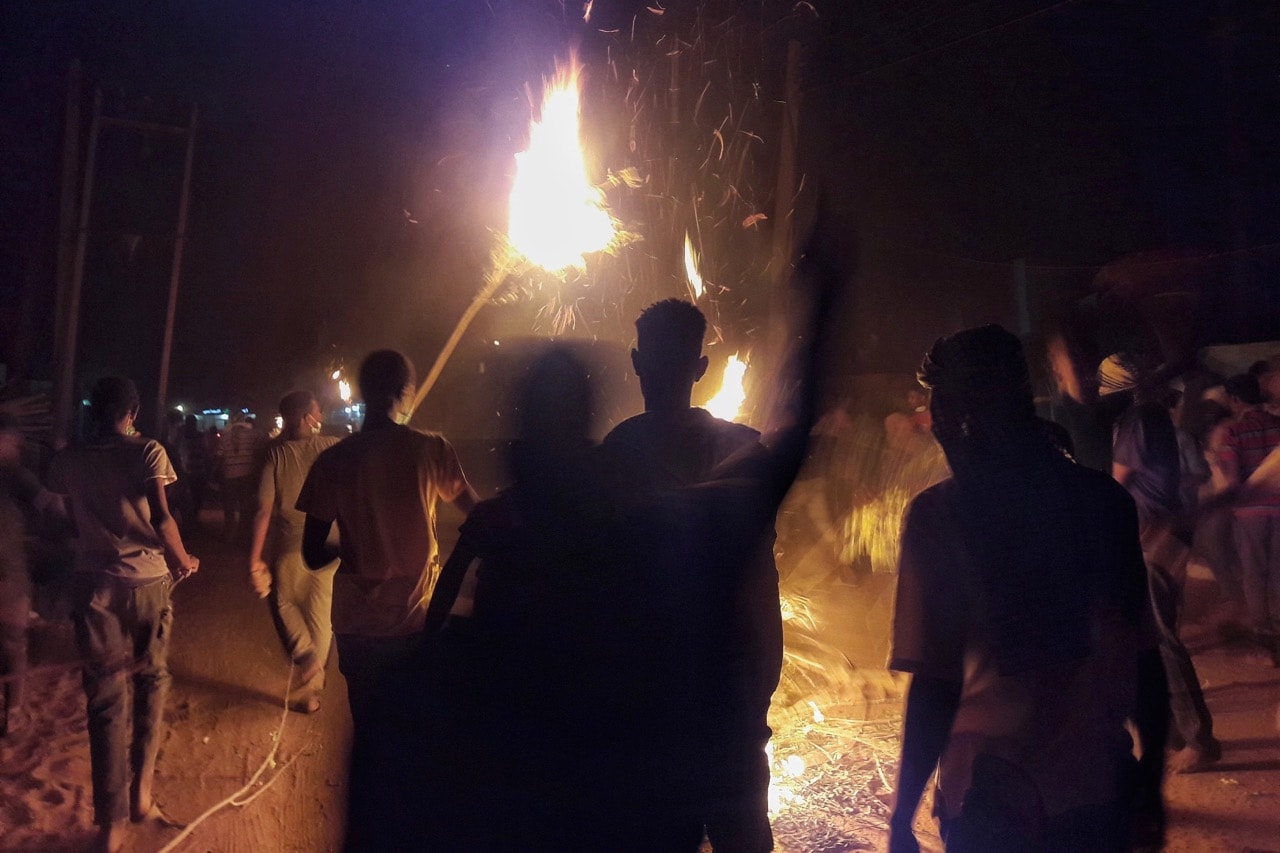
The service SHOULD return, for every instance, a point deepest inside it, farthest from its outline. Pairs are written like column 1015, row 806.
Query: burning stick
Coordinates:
column 557, row 216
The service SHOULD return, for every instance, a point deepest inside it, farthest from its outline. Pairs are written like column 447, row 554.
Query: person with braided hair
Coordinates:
column 1023, row 618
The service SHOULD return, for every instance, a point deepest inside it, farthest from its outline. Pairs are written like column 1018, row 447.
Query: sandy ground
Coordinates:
column 225, row 710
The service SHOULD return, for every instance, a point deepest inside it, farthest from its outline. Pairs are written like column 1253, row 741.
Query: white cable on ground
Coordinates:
column 245, row 794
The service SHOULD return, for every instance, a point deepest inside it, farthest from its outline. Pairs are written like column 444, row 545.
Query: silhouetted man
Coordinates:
column 674, row 445
column 381, row 487
column 128, row 554
column 1022, row 614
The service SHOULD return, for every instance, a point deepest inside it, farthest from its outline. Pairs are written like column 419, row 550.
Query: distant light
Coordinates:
column 279, row 422
column 344, row 390
column 497, row 343
column 180, row 408
column 335, row 374
column 84, row 402
column 245, row 411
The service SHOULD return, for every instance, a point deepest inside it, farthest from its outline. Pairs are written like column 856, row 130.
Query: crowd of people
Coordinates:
column 592, row 665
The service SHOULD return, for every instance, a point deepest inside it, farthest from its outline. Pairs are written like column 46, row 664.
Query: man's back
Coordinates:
column 1031, row 596
column 381, row 486
column 674, row 450
column 238, row 451
column 107, row 483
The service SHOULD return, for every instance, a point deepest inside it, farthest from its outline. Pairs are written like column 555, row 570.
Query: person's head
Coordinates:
column 300, row 413
column 1269, row 381
column 668, row 356
column 113, row 405
column 554, row 401
column 982, row 403
column 386, row 383
column 1243, row 392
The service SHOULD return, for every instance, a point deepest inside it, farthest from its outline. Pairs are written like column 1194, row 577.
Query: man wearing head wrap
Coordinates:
column 1022, row 614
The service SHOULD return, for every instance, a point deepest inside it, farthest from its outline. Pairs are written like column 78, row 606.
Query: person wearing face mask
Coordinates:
column 382, row 487
column 300, row 599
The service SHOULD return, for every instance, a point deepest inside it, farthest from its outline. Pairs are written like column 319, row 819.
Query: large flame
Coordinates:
column 691, row 268
column 727, row 402
column 557, row 216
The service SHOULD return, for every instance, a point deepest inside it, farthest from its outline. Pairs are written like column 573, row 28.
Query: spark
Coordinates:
column 691, row 268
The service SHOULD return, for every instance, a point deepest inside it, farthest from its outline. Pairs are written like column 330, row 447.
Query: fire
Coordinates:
column 727, row 403
column 557, row 215
column 691, row 268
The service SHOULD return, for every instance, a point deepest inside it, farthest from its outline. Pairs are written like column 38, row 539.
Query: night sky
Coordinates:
column 352, row 158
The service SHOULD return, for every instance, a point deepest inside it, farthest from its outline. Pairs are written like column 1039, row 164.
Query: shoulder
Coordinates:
column 735, row 433
column 630, row 429
column 432, row 442
column 148, row 447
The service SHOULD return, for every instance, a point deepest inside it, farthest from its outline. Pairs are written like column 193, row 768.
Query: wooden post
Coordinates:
column 784, row 193
column 175, row 275
column 67, row 201
column 70, row 330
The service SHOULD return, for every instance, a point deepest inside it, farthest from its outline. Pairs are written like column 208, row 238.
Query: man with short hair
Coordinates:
column 129, row 554
column 381, row 487
column 1023, row 617
column 1246, row 443
column 300, row 599
column 674, row 445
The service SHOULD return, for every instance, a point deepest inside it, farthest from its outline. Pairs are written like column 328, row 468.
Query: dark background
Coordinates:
column 985, row 159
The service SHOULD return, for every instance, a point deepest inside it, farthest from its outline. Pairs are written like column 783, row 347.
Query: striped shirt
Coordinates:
column 1247, row 442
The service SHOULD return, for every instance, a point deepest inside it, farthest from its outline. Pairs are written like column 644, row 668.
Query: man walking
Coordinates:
column 1023, row 617
column 381, row 487
column 300, row 598
column 128, row 555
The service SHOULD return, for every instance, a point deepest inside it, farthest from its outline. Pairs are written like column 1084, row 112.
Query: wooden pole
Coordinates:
column 783, row 227
column 70, row 329
column 175, row 275
column 67, row 219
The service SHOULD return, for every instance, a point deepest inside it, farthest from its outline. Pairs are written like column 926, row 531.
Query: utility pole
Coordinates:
column 66, row 224
column 175, row 274
column 70, row 316
column 71, row 263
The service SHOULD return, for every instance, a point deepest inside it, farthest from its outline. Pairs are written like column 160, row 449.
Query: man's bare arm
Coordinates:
column 180, row 562
column 316, row 550
column 931, row 709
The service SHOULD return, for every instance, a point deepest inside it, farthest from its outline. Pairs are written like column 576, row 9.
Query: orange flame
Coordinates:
column 557, row 215
column 727, row 402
